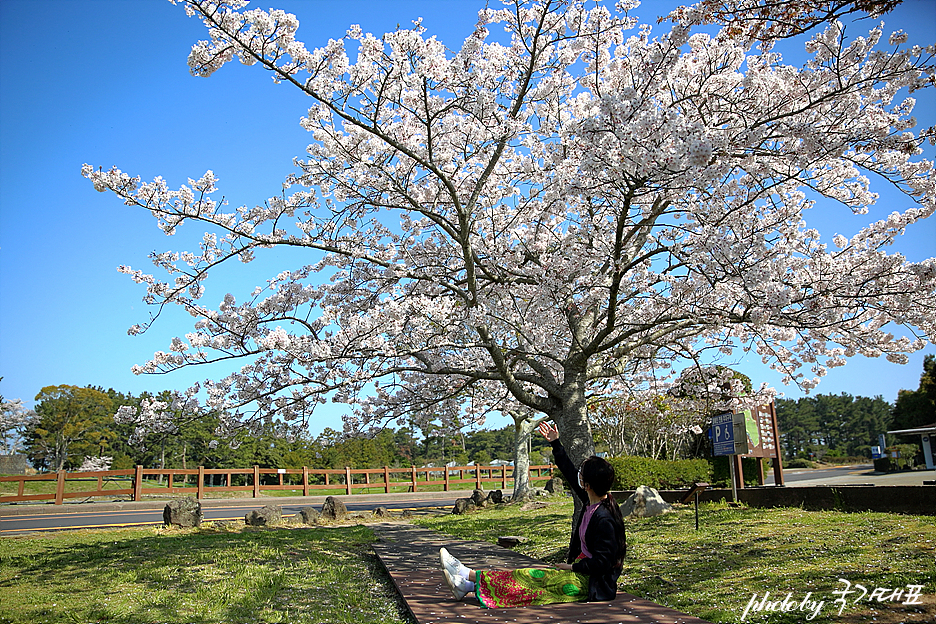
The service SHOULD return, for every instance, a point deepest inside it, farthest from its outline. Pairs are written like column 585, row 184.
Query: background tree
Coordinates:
column 14, row 420
column 537, row 221
column 797, row 422
column 71, row 424
column 361, row 452
column 917, row 408
column 831, row 425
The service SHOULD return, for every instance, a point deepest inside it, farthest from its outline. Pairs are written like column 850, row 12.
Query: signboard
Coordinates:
column 876, row 452
column 728, row 434
column 759, row 426
column 722, row 434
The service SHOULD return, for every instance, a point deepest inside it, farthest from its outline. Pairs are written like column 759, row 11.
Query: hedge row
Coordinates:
column 631, row 472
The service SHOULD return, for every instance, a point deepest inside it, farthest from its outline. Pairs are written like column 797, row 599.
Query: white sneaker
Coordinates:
column 459, row 585
column 453, row 565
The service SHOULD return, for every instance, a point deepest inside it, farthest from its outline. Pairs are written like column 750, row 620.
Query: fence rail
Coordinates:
column 256, row 480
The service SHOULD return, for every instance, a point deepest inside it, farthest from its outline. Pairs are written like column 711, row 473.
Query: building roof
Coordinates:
column 916, row 430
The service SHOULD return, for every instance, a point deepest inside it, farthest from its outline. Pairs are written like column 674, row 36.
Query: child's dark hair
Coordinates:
column 599, row 474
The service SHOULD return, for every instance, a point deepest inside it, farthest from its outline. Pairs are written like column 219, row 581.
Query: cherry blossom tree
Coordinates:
column 546, row 212
column 101, row 463
column 15, row 418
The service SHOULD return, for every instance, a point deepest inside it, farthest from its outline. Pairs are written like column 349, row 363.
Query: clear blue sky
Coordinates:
column 106, row 82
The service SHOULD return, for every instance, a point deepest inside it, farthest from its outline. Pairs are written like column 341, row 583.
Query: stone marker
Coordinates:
column 334, row 509
column 183, row 512
column 645, row 503
column 266, row 516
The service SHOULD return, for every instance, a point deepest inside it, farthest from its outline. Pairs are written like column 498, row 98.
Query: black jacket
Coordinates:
column 601, row 536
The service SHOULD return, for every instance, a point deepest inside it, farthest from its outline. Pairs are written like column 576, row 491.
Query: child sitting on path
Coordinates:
column 596, row 548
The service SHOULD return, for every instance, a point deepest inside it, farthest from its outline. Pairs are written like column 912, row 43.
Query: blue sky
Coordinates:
column 106, row 82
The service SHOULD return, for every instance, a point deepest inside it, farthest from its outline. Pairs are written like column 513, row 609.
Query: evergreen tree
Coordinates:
column 917, row 408
column 72, row 423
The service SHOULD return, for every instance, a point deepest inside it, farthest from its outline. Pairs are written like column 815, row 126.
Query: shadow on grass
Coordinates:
column 269, row 575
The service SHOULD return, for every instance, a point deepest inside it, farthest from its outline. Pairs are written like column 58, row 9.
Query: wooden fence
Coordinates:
column 256, row 480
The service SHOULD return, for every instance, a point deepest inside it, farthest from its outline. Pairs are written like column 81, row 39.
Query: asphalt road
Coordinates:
column 851, row 475
column 22, row 519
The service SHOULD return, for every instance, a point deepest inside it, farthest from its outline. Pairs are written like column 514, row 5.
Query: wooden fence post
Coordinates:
column 60, row 488
column 477, row 477
column 446, row 478
column 201, row 483
column 413, row 477
column 138, row 484
column 305, row 480
column 256, row 475
column 386, row 479
column 347, row 472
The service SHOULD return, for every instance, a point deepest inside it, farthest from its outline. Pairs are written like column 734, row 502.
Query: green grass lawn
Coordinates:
column 214, row 574
column 714, row 572
column 231, row 573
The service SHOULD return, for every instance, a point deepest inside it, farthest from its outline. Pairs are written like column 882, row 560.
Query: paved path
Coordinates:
column 411, row 556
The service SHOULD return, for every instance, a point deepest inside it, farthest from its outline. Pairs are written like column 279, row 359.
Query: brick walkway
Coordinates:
column 411, row 556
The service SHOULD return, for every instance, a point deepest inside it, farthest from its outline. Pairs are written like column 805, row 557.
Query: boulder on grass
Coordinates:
column 463, row 506
column 334, row 509
column 645, row 503
column 532, row 505
column 381, row 512
column 266, row 516
column 479, row 498
column 309, row 515
column 496, row 497
column 183, row 512
column 554, row 486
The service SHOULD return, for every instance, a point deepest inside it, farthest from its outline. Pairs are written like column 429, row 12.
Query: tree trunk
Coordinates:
column 574, row 429
column 523, row 425
column 60, row 454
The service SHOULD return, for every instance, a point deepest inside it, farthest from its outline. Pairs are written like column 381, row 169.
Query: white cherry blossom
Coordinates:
column 568, row 211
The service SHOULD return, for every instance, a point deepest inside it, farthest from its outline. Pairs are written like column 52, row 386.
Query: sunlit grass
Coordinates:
column 713, row 573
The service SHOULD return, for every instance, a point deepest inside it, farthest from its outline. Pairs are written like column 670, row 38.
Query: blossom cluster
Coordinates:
column 96, row 464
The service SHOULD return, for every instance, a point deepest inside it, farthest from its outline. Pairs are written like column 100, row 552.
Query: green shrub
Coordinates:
column 631, row 472
column 799, row 462
column 722, row 470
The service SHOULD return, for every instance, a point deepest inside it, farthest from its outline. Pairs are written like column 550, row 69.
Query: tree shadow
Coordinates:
column 204, row 575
